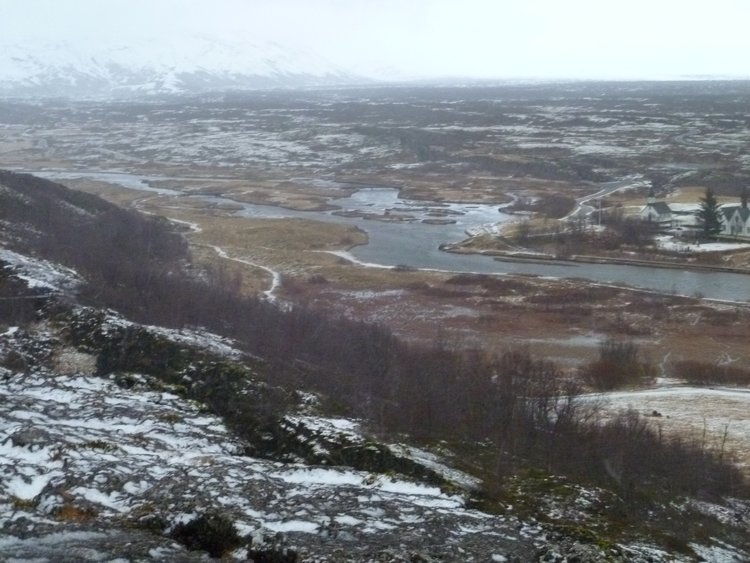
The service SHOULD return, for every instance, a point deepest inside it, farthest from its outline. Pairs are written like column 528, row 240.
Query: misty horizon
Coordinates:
column 438, row 39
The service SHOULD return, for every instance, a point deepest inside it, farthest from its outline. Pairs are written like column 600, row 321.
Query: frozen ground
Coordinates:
column 572, row 134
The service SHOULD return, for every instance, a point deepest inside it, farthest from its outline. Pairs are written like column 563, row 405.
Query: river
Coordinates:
column 415, row 243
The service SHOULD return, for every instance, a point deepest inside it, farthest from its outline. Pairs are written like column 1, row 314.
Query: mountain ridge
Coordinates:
column 160, row 66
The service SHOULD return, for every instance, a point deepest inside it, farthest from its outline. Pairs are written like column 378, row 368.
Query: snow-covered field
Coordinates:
column 716, row 416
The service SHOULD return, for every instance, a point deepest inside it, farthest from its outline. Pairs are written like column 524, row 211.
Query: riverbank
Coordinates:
column 545, row 306
column 414, row 244
column 530, row 258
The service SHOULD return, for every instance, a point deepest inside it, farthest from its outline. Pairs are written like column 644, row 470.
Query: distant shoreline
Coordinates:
column 586, row 259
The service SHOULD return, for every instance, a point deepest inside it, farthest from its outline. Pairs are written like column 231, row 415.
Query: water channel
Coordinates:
column 405, row 239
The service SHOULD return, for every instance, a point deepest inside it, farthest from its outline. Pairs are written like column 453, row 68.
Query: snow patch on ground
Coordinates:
column 433, row 462
column 192, row 337
column 41, row 274
column 717, row 415
column 718, row 554
column 667, row 242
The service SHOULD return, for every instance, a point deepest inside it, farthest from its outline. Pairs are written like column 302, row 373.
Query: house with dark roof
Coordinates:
column 657, row 212
column 735, row 220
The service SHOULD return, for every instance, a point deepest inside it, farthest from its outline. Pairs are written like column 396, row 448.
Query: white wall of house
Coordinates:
column 734, row 224
column 652, row 214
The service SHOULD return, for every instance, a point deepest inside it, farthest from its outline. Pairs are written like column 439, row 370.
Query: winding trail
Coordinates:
column 275, row 275
column 346, row 255
column 195, row 228
column 583, row 210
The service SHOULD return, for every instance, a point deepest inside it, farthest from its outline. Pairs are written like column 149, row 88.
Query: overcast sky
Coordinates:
column 430, row 38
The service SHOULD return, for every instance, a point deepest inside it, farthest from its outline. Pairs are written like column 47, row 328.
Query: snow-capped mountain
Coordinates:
column 159, row 66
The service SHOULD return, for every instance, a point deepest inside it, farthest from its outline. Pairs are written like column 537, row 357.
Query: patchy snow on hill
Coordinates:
column 79, row 449
column 41, row 274
column 717, row 416
column 116, row 467
column 159, row 65
column 196, row 337
column 101, row 467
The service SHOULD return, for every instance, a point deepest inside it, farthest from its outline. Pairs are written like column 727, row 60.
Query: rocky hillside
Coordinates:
column 120, row 439
column 100, row 462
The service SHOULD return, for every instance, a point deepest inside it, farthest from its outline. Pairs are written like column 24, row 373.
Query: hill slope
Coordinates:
column 111, row 464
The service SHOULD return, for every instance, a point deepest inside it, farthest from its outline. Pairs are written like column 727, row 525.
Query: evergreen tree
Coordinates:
column 709, row 215
column 743, row 197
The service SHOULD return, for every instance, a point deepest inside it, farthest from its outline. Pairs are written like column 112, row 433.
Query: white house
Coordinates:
column 657, row 212
column 735, row 220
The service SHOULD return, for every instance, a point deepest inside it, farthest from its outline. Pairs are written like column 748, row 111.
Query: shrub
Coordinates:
column 573, row 295
column 704, row 373
column 553, row 206
column 271, row 549
column 17, row 302
column 494, row 284
column 618, row 365
column 211, row 532
column 638, row 457
column 403, row 268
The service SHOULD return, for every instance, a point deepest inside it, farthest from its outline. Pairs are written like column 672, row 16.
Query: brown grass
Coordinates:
column 72, row 513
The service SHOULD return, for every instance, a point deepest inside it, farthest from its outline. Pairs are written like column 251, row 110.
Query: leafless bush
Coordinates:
column 317, row 279
column 705, row 373
column 553, row 206
column 18, row 304
column 403, row 268
column 618, row 365
column 496, row 284
column 636, row 456
column 628, row 232
column 654, row 308
column 571, row 295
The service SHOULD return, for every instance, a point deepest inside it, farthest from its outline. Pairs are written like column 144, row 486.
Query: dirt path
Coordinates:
column 195, row 228
column 582, row 210
column 275, row 275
